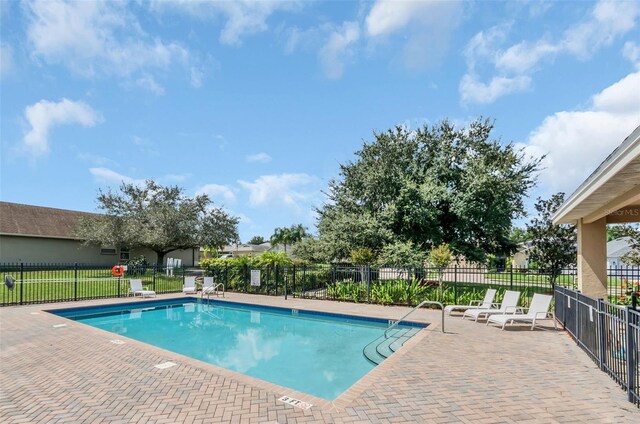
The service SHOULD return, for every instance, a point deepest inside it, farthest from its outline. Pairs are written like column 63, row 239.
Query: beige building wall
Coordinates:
column 51, row 250
column 15, row 249
column 188, row 256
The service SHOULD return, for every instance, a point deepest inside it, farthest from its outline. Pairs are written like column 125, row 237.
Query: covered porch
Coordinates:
column 610, row 195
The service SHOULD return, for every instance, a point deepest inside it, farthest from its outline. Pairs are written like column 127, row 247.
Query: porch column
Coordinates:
column 592, row 258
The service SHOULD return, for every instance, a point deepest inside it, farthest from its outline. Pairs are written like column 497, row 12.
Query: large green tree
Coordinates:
column 553, row 246
column 257, row 240
column 434, row 185
column 160, row 218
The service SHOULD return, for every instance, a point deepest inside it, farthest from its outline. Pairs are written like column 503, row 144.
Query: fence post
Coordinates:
column 284, row 277
column 630, row 354
column 511, row 277
column 304, row 278
column 369, row 278
column 293, row 291
column 247, row 282
column 577, row 329
column 226, row 275
column 75, row 281
column 275, row 278
column 155, row 270
column 21, row 279
column 602, row 340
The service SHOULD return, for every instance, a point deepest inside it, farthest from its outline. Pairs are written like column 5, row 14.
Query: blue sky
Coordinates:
column 256, row 103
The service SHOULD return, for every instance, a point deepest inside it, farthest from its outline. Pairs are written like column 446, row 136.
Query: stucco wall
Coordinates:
column 187, row 255
column 49, row 250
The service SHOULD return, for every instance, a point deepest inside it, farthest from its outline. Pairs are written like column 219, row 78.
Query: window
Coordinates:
column 124, row 254
column 107, row 250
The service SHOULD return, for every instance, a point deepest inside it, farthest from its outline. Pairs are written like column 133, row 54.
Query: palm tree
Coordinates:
column 288, row 236
column 281, row 235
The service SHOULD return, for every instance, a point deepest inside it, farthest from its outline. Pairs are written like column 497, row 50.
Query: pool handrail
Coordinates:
column 425, row 302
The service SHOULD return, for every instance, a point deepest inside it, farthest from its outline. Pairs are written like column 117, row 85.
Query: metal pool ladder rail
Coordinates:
column 426, row 302
column 215, row 288
column 382, row 347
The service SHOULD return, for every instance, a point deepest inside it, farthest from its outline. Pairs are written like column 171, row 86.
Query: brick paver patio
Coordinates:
column 472, row 373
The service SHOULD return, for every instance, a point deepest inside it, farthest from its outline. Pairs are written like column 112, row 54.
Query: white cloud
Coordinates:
column 474, row 91
column 94, row 38
column 386, row 16
column 196, row 77
column 426, row 27
column 259, row 157
column 242, row 17
column 294, row 190
column 149, row 83
column 44, row 115
column 576, row 142
column 6, row 59
column 109, row 176
column 631, row 51
column 514, row 65
column 338, row 49
column 217, row 193
column 609, row 19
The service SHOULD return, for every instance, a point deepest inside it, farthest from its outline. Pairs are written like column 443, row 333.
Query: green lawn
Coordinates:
column 51, row 286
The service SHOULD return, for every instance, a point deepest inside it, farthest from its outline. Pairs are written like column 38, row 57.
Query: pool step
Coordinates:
column 401, row 340
column 383, row 347
column 370, row 352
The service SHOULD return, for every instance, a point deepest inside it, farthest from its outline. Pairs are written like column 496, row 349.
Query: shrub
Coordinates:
column 363, row 256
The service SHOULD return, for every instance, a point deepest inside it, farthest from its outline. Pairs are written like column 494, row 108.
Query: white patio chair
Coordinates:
column 207, row 285
column 189, row 285
column 486, row 303
column 538, row 310
column 509, row 305
column 137, row 289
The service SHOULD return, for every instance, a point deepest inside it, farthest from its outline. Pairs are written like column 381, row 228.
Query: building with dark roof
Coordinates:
column 36, row 234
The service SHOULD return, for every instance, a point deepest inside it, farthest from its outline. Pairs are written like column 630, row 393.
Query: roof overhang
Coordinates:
column 611, row 191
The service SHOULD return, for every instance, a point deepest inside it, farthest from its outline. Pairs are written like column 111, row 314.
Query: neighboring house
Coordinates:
column 249, row 250
column 520, row 259
column 616, row 249
column 36, row 234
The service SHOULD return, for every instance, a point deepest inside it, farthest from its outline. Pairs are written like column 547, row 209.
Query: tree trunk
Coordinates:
column 160, row 258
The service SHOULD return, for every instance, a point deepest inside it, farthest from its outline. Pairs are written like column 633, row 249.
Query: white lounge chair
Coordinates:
column 538, row 310
column 189, row 285
column 486, row 303
column 137, row 289
column 208, row 287
column 509, row 305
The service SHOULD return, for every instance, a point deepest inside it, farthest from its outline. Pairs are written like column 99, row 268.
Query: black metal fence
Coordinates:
column 46, row 283
column 609, row 334
column 40, row 283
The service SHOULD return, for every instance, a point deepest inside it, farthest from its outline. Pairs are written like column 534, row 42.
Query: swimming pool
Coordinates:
column 312, row 352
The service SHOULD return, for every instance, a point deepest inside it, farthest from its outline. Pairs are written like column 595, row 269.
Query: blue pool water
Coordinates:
column 315, row 353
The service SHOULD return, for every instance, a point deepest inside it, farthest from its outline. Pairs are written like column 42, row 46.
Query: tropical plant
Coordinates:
column 289, row 236
column 273, row 258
